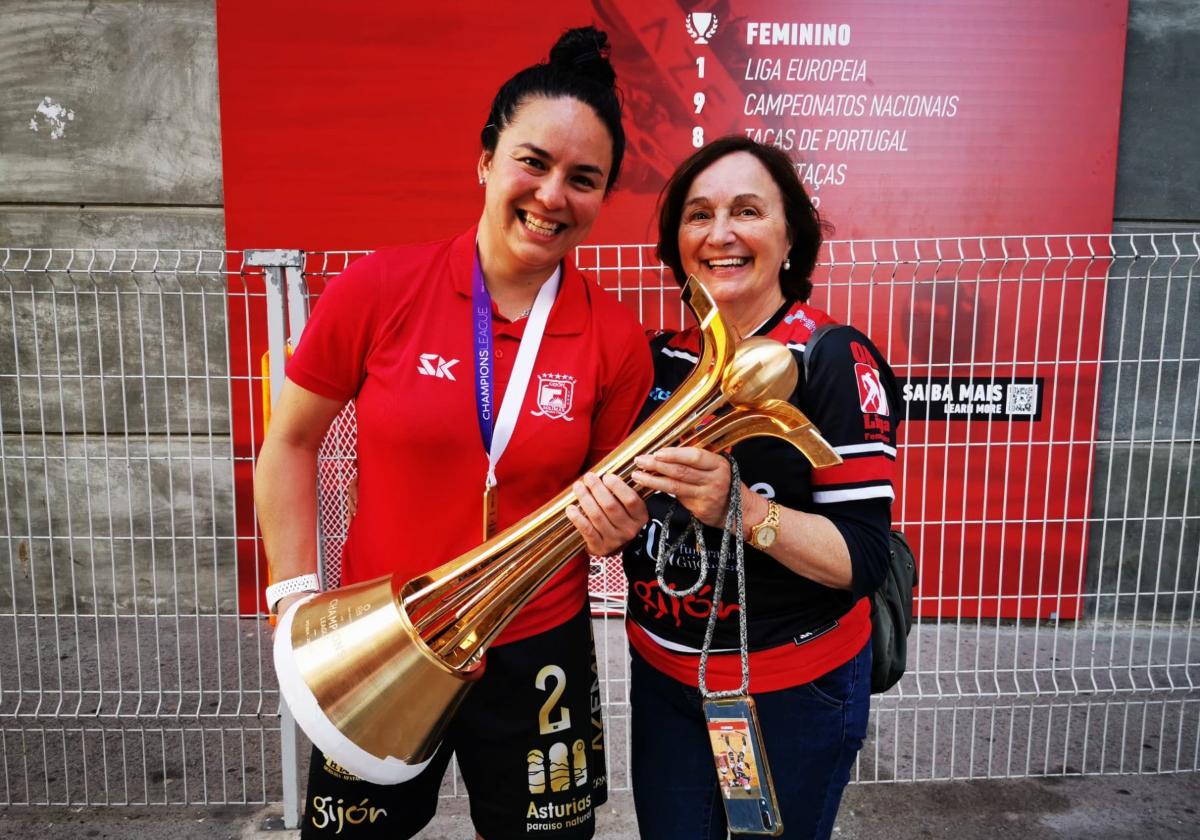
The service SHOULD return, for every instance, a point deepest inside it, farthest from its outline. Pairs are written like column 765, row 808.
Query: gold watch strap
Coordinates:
column 771, row 521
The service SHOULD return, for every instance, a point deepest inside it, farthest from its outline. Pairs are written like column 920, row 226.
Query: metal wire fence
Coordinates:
column 1057, row 528
column 126, row 673
column 1057, row 519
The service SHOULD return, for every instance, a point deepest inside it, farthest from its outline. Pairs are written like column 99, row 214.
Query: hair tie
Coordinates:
column 584, row 58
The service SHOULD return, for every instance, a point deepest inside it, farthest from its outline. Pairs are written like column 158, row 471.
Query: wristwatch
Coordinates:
column 764, row 534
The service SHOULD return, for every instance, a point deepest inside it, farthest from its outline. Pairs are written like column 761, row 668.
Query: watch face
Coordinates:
column 765, row 536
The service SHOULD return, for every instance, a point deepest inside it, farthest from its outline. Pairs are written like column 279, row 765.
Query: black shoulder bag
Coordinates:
column 892, row 602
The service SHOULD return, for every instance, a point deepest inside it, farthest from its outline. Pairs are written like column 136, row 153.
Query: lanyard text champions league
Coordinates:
column 496, row 429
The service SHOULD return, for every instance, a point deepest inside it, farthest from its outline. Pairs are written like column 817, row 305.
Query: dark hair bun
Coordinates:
column 579, row 69
column 584, row 51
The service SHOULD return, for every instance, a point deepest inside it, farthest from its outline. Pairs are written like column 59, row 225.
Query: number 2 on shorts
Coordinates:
column 545, row 725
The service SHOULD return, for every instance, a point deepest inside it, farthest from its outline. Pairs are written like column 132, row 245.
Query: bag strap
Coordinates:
column 819, row 333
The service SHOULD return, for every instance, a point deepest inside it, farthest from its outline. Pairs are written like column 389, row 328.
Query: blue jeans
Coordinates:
column 812, row 734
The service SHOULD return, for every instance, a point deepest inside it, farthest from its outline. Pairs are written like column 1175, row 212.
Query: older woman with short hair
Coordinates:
column 736, row 216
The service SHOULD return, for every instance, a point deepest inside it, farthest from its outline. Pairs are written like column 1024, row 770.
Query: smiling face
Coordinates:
column 733, row 236
column 545, row 184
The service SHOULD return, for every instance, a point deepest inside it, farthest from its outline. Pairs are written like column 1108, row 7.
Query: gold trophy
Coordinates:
column 373, row 672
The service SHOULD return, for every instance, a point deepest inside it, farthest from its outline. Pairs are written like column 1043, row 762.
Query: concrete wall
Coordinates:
column 114, row 398
column 1158, row 165
column 136, row 157
column 1144, row 484
column 127, row 153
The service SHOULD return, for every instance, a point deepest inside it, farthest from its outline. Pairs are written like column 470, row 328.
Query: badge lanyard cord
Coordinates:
column 495, row 439
column 733, row 525
column 667, row 550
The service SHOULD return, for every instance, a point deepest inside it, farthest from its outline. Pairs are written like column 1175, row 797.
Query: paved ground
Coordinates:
column 1110, row 807
column 980, row 701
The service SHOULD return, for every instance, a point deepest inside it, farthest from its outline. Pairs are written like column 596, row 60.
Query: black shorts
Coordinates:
column 530, row 744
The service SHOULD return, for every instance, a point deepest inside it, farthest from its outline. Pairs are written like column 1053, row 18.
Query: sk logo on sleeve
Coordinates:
column 871, row 396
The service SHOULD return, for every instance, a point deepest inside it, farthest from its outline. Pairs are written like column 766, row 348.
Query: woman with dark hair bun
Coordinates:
column 736, row 217
column 483, row 367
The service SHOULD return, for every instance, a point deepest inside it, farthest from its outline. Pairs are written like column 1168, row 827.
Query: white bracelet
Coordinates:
column 276, row 592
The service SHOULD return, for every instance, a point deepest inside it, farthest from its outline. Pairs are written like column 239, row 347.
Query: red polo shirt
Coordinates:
column 395, row 333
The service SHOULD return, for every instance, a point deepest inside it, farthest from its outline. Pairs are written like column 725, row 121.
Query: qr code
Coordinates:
column 1022, row 400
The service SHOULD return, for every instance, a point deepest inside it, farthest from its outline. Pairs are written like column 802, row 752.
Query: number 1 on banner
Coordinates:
column 700, row 67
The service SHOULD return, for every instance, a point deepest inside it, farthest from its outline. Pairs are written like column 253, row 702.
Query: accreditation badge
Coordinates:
column 742, row 771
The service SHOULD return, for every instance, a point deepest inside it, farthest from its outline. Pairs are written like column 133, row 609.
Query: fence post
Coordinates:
column 286, row 313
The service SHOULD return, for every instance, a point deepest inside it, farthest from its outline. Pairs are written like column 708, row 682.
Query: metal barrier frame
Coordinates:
column 112, row 425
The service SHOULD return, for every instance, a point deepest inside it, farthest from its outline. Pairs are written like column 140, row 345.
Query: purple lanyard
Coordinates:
column 481, row 326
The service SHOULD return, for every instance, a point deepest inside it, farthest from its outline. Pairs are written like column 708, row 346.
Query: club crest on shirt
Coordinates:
column 555, row 392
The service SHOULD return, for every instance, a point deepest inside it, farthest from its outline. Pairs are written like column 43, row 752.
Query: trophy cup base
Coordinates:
column 317, row 725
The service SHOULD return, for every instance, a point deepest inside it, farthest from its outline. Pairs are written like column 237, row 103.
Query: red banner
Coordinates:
column 355, row 125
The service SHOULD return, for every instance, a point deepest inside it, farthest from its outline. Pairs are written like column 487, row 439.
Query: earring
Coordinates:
column 787, row 264
column 482, row 180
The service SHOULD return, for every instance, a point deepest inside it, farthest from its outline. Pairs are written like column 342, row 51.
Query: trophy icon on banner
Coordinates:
column 701, row 26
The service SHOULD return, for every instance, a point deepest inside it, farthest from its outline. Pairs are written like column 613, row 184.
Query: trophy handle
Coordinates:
column 775, row 418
